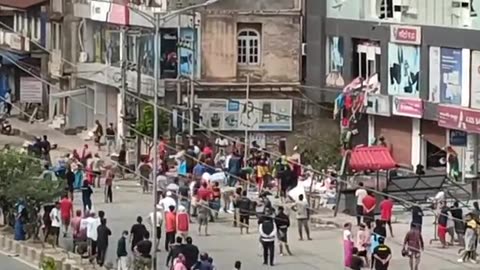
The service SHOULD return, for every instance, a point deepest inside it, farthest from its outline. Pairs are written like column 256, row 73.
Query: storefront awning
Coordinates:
column 371, row 158
column 8, row 57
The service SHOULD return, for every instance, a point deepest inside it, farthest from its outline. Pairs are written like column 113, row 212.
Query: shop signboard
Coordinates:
column 31, row 90
column 240, row 114
column 406, row 34
column 105, row 11
column 459, row 118
column 378, row 105
column 409, row 107
column 457, row 138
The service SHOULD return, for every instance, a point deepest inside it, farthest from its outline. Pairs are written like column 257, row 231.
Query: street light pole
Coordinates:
column 192, row 76
column 156, row 67
column 247, row 95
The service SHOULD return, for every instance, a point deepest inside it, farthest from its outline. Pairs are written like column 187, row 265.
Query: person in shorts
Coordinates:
column 203, row 216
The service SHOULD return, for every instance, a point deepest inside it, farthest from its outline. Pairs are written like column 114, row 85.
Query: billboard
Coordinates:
column 240, row 114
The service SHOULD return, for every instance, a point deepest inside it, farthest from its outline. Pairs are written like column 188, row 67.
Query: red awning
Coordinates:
column 372, row 158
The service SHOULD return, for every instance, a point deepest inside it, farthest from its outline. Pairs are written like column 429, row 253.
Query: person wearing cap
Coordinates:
column 183, row 222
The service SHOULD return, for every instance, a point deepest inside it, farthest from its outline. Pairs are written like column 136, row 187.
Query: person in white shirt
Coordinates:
column 360, row 193
column 158, row 224
column 56, row 223
column 166, row 202
column 92, row 224
column 268, row 233
column 221, row 143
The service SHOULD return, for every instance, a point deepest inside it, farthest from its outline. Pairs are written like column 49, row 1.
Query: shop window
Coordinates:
column 366, row 60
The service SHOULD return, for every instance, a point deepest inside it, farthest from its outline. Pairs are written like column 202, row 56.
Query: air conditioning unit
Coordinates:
column 461, row 12
column 304, row 48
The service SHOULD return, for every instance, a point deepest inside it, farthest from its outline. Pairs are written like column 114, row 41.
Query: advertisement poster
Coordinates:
column 187, row 57
column 451, row 76
column 403, row 70
column 238, row 114
column 475, row 80
column 335, row 62
column 169, row 53
column 434, row 75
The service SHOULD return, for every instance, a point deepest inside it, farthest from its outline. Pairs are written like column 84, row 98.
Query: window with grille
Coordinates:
column 248, row 47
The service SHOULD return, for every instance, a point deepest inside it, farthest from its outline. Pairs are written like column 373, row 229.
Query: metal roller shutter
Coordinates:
column 398, row 134
column 433, row 133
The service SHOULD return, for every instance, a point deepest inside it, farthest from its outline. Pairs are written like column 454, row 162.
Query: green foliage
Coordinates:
column 145, row 124
column 321, row 150
column 47, row 263
column 20, row 180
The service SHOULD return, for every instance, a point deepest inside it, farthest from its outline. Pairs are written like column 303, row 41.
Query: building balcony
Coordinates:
column 134, row 15
column 446, row 13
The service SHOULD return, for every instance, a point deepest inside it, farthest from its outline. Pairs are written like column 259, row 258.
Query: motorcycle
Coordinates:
column 6, row 126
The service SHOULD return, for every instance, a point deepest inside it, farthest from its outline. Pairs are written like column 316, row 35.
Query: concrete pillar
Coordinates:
column 416, row 142
column 471, row 157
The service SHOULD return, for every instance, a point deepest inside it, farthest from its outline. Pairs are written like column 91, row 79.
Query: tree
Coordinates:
column 145, row 125
column 321, row 150
column 20, row 181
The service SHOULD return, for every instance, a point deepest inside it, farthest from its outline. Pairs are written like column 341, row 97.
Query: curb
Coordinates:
column 33, row 256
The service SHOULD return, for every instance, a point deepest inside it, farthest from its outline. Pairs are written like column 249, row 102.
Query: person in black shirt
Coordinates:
column 417, row 217
column 357, row 262
column 142, row 250
column 175, row 249
column 283, row 222
column 382, row 255
column 457, row 215
column 138, row 232
column 122, row 254
column 380, row 229
column 46, row 147
column 191, row 253
column 244, row 204
column 70, row 176
column 111, row 139
column 122, row 159
column 103, row 233
column 442, row 221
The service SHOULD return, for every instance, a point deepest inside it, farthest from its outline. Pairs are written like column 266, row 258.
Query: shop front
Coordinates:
column 463, row 128
column 401, row 130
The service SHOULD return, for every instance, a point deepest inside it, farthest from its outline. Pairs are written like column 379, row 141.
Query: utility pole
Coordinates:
column 140, row 56
column 156, row 58
column 192, row 76
column 123, row 129
column 247, row 100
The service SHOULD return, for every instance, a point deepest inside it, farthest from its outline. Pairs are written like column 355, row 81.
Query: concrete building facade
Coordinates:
column 418, row 63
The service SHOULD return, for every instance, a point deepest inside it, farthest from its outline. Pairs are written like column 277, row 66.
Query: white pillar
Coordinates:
column 371, row 129
column 471, row 157
column 416, row 142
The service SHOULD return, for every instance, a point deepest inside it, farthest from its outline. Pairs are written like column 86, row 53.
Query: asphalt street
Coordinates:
column 9, row 263
column 226, row 245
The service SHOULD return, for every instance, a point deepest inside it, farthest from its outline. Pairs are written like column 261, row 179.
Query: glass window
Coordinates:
column 248, row 49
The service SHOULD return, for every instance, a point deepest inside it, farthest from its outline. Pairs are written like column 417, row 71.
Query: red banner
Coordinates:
column 459, row 118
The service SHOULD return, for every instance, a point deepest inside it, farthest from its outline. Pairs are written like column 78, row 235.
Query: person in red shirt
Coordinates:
column 66, row 212
column 207, row 150
column 170, row 227
column 76, row 227
column 183, row 222
column 369, row 204
column 204, row 193
column 386, row 207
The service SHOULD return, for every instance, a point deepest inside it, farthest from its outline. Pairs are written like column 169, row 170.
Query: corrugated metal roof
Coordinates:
column 371, row 158
column 21, row 4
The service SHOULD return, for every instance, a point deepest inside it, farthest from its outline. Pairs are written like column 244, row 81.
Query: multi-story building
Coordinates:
column 419, row 63
column 23, row 27
column 250, row 66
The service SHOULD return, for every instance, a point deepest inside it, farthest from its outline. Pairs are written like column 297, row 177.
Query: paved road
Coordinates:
column 9, row 263
column 225, row 244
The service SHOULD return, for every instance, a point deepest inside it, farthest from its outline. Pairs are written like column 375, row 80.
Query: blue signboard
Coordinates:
column 457, row 138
